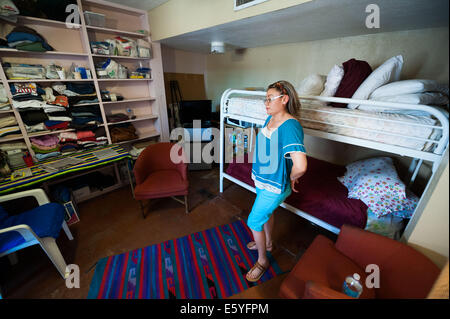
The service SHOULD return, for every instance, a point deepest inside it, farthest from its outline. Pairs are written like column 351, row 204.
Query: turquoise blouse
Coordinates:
column 272, row 163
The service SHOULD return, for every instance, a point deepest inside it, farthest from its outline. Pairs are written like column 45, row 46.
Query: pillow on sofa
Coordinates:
column 334, row 78
column 311, row 85
column 376, row 183
column 355, row 72
column 409, row 87
column 389, row 71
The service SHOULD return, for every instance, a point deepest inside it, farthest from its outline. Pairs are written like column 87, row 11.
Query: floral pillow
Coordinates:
column 376, row 183
column 382, row 205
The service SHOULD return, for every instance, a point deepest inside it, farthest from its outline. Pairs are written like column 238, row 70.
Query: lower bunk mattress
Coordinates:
column 320, row 194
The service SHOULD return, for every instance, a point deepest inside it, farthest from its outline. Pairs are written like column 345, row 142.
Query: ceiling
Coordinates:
column 315, row 20
column 140, row 4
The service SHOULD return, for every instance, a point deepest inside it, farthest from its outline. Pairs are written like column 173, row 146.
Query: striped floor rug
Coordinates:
column 208, row 264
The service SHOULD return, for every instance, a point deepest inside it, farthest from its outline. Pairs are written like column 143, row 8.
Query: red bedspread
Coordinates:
column 320, row 193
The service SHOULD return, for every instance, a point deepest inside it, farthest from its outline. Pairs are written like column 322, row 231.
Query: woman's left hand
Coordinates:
column 298, row 169
column 293, row 182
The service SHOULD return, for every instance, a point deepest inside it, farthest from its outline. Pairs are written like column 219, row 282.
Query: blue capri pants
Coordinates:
column 265, row 203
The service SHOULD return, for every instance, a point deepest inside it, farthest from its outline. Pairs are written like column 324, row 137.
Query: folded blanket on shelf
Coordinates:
column 83, row 99
column 8, row 120
column 13, row 146
column 55, row 109
column 45, row 140
column 83, row 127
column 81, row 88
column 3, row 95
column 22, row 33
column 125, row 133
column 60, row 100
column 56, row 125
column 59, row 118
column 33, row 117
column 35, row 128
column 66, row 148
column 9, row 130
column 44, row 149
column 86, row 120
column 68, row 136
column 85, row 134
column 35, row 104
column 119, row 117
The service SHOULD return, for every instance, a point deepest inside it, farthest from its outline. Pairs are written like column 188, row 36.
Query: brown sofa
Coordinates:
column 320, row 272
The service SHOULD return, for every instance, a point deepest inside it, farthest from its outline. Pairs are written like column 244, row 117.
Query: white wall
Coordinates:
column 178, row 61
column 425, row 54
column 428, row 230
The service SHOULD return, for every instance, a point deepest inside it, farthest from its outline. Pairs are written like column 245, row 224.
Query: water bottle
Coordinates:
column 130, row 114
column 352, row 286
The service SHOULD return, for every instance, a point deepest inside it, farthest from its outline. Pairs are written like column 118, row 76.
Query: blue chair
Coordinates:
column 40, row 225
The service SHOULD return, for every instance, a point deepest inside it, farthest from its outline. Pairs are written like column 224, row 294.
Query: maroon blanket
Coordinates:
column 320, row 193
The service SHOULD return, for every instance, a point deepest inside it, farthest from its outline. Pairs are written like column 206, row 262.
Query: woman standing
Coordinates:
column 279, row 161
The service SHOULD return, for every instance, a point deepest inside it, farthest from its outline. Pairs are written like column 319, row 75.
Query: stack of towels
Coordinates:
column 27, row 39
column 72, row 141
column 45, row 146
column 4, row 102
column 8, row 125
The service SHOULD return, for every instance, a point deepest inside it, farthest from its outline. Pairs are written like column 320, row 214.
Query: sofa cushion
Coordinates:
column 162, row 183
column 322, row 264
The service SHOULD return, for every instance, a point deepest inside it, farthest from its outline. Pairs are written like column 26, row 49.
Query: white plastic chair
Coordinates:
column 48, row 244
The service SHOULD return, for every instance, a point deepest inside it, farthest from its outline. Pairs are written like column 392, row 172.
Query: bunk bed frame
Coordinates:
column 435, row 156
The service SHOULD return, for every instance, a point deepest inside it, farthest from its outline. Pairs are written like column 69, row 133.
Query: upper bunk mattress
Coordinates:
column 320, row 193
column 400, row 129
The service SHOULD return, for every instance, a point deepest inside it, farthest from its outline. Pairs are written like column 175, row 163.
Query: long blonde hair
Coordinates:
column 284, row 87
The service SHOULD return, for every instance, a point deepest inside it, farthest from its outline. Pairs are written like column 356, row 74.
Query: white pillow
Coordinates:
column 427, row 98
column 389, row 71
column 334, row 78
column 311, row 85
column 409, row 87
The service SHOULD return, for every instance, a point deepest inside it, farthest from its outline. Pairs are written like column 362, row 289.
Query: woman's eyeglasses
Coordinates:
column 270, row 99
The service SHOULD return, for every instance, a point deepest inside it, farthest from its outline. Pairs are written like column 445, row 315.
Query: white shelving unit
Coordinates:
column 72, row 45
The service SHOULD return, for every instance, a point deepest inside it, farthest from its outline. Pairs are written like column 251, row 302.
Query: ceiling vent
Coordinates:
column 242, row 4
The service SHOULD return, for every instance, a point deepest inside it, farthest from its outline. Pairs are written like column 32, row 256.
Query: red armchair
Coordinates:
column 320, row 272
column 157, row 176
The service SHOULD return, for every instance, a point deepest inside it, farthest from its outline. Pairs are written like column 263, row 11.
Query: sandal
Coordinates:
column 252, row 246
column 261, row 269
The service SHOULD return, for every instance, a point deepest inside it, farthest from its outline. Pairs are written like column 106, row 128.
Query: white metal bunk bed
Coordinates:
column 255, row 115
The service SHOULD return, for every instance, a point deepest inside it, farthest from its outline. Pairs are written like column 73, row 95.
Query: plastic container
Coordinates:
column 352, row 286
column 94, row 19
